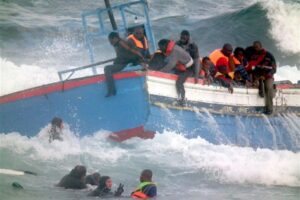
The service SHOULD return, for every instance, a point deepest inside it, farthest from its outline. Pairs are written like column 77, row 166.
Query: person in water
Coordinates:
column 104, row 188
column 125, row 55
column 75, row 179
column 55, row 132
column 146, row 189
column 93, row 179
column 139, row 41
column 177, row 58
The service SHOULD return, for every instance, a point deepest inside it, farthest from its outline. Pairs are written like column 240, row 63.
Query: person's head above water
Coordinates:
column 105, row 182
column 146, row 175
column 58, row 122
column 79, row 172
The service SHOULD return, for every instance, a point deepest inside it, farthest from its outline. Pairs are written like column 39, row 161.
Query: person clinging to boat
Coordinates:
column 191, row 47
column 262, row 67
column 124, row 55
column 55, row 131
column 176, row 58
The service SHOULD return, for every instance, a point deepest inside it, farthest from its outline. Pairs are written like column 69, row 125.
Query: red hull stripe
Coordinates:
column 129, row 133
column 42, row 90
column 96, row 79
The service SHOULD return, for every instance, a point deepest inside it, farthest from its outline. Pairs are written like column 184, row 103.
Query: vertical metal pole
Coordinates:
column 148, row 27
column 111, row 15
column 123, row 19
column 87, row 40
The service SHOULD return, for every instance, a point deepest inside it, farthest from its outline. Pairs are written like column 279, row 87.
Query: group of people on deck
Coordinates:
column 102, row 185
column 253, row 66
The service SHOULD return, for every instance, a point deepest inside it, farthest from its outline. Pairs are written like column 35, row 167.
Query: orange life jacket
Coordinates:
column 139, row 195
column 170, row 47
column 138, row 43
column 216, row 55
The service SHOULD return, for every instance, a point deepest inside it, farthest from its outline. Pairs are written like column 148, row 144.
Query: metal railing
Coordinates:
column 72, row 71
column 123, row 24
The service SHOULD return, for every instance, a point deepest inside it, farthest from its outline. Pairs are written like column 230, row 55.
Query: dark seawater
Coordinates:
column 39, row 37
column 49, row 33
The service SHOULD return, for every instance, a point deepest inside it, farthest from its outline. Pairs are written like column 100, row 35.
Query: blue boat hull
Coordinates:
column 82, row 105
column 84, row 108
column 277, row 132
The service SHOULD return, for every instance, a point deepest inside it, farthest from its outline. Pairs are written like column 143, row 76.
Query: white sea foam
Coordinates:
column 284, row 17
column 16, row 78
column 170, row 151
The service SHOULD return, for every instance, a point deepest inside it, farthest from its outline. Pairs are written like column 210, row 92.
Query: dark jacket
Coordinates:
column 193, row 50
column 124, row 56
column 70, row 181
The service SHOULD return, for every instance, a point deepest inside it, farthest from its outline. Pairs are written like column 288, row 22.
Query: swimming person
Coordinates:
column 146, row 189
column 75, row 179
column 104, row 188
column 92, row 179
column 55, row 132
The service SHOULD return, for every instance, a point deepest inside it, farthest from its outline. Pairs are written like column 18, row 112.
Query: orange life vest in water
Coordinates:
column 138, row 193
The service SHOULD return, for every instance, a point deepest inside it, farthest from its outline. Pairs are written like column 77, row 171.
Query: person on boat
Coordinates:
column 92, row 179
column 222, row 76
column 104, row 188
column 55, row 132
column 125, row 55
column 241, row 75
column 157, row 61
column 226, row 54
column 263, row 66
column 186, row 43
column 75, row 179
column 139, row 41
column 146, row 189
column 207, row 70
column 225, row 63
column 176, row 57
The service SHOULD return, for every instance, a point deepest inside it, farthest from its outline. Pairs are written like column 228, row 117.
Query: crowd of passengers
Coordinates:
column 253, row 66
